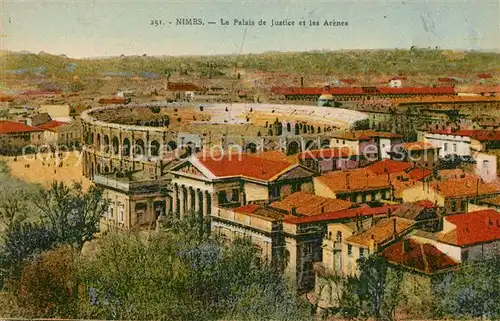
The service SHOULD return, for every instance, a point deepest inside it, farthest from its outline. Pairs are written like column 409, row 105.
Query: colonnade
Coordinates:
column 186, row 199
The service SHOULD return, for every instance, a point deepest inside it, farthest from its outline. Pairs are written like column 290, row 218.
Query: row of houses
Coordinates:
column 52, row 132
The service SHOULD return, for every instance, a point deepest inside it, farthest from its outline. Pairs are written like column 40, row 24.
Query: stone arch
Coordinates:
column 116, row 145
column 251, row 147
column 106, row 143
column 292, row 147
column 126, row 147
column 310, row 144
column 98, row 141
column 106, row 169
column 155, row 148
column 139, row 148
column 190, row 147
column 297, row 129
column 171, row 145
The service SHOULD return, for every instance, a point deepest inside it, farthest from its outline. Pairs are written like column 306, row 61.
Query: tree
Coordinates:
column 72, row 213
column 194, row 276
column 48, row 285
column 22, row 240
column 470, row 292
column 373, row 284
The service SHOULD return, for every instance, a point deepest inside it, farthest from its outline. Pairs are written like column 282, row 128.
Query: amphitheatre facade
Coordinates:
column 131, row 138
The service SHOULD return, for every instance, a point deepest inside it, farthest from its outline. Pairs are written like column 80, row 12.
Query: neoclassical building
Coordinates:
column 140, row 154
column 201, row 182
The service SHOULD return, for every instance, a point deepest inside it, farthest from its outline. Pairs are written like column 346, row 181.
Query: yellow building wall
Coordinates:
column 255, row 192
column 321, row 189
column 417, row 193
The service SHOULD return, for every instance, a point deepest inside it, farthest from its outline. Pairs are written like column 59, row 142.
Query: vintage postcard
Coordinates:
column 249, row 160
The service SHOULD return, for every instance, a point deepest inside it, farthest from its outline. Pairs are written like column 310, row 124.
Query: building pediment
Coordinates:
column 298, row 172
column 190, row 168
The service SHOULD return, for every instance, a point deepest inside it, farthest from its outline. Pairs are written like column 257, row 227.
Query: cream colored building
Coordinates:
column 200, row 182
column 290, row 247
column 60, row 133
column 133, row 202
column 57, row 112
column 346, row 243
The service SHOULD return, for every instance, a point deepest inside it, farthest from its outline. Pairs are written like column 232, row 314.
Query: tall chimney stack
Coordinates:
column 301, row 81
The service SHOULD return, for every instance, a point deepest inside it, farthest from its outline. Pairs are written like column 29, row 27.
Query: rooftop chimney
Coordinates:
column 347, row 181
column 294, row 211
column 322, row 209
column 301, row 81
column 394, row 226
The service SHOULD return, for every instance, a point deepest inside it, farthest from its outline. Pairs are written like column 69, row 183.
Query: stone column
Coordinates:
column 182, row 202
column 197, row 202
column 175, row 196
column 189, row 198
column 205, row 197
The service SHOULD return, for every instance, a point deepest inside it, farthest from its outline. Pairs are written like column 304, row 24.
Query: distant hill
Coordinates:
column 384, row 62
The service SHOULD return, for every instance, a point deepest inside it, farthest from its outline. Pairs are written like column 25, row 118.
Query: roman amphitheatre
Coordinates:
column 135, row 137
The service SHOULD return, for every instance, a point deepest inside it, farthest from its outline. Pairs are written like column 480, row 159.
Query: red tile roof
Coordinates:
column 249, row 208
column 468, row 186
column 360, row 179
column 244, row 165
column 7, row 99
column 484, row 76
column 309, row 204
column 52, row 124
column 418, row 174
column 418, row 256
column 181, row 86
column 426, row 204
column 411, row 146
column 362, row 90
column 473, row 227
column 349, row 81
column 389, row 166
column 344, row 214
column 326, row 153
column 383, row 231
column 7, row 127
column 477, row 134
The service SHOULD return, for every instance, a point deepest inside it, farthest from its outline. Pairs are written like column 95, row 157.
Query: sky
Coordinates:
column 96, row 28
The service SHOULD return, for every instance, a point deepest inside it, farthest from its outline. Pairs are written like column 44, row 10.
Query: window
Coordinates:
column 349, row 250
column 445, row 147
column 453, row 205
column 275, row 191
column 121, row 218
column 455, row 147
column 236, row 193
column 361, row 253
column 329, row 235
column 463, row 206
column 339, row 236
column 111, row 210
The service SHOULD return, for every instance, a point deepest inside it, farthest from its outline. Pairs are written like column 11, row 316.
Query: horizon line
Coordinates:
column 492, row 50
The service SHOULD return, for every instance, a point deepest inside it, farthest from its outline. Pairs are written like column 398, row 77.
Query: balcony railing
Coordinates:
column 110, row 181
